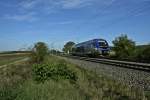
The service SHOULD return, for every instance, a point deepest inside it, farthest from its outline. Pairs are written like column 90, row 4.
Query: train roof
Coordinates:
column 93, row 40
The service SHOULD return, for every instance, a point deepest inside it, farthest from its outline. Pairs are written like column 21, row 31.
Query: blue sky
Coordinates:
column 24, row 22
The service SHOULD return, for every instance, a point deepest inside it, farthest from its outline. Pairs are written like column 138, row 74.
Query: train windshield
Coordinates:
column 103, row 43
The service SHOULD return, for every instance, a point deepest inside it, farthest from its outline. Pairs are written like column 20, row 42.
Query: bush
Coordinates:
column 143, row 55
column 123, row 47
column 39, row 52
column 58, row 71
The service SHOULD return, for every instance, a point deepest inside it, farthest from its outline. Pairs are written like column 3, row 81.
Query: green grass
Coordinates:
column 16, row 83
column 50, row 90
column 12, row 78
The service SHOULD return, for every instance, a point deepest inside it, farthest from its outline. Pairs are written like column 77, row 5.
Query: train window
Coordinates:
column 80, row 49
column 103, row 44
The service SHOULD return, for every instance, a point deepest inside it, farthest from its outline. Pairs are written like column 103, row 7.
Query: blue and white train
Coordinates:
column 95, row 46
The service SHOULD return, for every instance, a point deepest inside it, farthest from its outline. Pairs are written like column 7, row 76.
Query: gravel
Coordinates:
column 135, row 78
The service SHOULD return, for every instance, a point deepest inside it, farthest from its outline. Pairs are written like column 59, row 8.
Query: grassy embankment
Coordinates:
column 18, row 82
column 9, row 58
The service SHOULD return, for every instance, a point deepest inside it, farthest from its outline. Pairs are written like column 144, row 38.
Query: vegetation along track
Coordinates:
column 138, row 78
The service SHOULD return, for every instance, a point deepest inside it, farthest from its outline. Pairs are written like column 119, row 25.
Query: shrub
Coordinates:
column 94, row 53
column 39, row 52
column 58, row 71
column 143, row 55
column 123, row 47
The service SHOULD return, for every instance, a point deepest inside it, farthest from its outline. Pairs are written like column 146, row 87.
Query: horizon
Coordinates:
column 56, row 22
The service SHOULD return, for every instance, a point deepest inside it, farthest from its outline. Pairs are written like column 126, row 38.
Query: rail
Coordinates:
column 126, row 64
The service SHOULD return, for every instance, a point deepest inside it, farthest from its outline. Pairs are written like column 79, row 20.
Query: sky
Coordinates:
column 55, row 22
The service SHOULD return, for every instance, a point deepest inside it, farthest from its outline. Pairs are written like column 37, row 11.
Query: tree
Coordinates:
column 144, row 54
column 68, row 47
column 53, row 51
column 39, row 51
column 123, row 46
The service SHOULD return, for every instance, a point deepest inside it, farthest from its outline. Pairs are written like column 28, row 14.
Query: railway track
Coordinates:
column 125, row 64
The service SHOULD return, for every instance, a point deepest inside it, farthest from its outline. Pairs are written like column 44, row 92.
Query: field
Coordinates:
column 24, row 82
column 8, row 58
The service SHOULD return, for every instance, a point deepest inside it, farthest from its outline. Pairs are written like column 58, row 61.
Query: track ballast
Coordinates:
column 125, row 64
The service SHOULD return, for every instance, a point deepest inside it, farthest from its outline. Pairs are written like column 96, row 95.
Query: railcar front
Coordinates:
column 102, row 46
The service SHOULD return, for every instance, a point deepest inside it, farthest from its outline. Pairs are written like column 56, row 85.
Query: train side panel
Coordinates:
column 92, row 47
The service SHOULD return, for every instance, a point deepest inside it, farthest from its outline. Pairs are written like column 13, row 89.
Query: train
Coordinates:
column 92, row 47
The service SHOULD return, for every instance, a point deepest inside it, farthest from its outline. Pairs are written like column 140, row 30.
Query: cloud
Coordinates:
column 65, row 22
column 68, row 4
column 26, row 7
column 21, row 17
column 62, row 4
column 46, row 7
column 54, row 6
column 29, row 4
column 62, row 23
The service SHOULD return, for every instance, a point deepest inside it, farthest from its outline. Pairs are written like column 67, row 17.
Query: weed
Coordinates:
column 58, row 71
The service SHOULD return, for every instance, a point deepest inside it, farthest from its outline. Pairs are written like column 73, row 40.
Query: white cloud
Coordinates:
column 67, row 4
column 22, row 17
column 52, row 6
column 61, row 23
column 29, row 4
column 26, row 7
column 65, row 22
column 62, row 4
